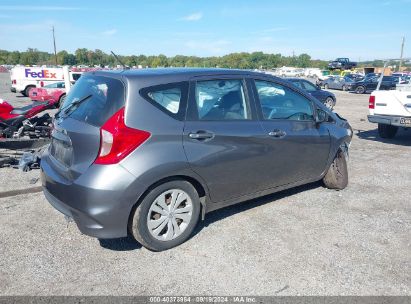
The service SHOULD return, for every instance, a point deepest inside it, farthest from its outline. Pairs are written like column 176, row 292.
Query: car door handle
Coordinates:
column 199, row 135
column 277, row 133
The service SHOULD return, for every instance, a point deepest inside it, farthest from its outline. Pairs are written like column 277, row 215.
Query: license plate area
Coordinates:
column 406, row 121
column 61, row 148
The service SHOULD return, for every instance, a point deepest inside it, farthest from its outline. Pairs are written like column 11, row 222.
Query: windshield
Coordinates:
column 57, row 85
column 104, row 96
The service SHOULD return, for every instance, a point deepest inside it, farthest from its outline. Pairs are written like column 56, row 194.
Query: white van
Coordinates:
column 24, row 78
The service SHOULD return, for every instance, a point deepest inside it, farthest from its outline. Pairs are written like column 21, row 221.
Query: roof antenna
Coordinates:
column 118, row 59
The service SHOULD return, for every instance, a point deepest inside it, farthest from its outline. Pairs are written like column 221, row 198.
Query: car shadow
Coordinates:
column 128, row 243
column 402, row 138
column 120, row 244
column 220, row 214
column 353, row 92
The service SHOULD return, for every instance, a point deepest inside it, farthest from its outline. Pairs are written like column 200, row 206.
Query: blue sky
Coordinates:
column 360, row 29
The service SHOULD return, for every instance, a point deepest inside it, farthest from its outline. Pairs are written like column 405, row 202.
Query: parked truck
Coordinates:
column 25, row 78
column 390, row 110
column 342, row 64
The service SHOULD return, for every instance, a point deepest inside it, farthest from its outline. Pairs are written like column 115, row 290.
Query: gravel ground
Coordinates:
column 304, row 241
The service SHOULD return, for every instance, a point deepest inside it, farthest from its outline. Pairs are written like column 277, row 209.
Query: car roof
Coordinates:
column 167, row 72
column 294, row 79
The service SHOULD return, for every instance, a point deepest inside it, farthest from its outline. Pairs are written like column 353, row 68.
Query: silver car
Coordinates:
column 337, row 83
column 148, row 153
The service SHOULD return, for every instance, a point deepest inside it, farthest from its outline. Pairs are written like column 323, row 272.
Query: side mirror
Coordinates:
column 321, row 116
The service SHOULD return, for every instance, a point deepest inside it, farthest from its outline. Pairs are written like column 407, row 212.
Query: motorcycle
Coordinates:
column 20, row 122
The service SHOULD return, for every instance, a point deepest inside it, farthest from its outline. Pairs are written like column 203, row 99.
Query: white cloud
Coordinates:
column 36, row 8
column 109, row 32
column 192, row 17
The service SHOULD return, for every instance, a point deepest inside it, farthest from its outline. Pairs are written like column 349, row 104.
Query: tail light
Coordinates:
column 41, row 83
column 371, row 102
column 117, row 140
column 14, row 81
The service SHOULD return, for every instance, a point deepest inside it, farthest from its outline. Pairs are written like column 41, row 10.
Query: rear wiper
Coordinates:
column 73, row 104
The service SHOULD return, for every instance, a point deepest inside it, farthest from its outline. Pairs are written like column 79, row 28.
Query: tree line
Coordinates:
column 88, row 57
column 83, row 56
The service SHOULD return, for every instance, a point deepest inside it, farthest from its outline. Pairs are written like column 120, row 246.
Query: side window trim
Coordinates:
column 258, row 103
column 183, row 86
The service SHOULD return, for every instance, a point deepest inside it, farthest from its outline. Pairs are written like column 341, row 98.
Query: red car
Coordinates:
column 52, row 92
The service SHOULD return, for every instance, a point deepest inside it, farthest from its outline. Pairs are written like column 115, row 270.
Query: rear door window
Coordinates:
column 221, row 100
column 103, row 96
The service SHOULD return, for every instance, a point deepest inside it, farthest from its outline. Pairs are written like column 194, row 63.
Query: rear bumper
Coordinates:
column 99, row 201
column 388, row 120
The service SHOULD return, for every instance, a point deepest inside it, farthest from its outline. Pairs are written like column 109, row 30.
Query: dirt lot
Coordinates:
column 305, row 241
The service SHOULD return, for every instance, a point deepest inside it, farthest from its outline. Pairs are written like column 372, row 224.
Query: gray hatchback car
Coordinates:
column 150, row 152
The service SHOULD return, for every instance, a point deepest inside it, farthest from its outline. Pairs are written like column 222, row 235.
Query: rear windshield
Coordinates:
column 106, row 97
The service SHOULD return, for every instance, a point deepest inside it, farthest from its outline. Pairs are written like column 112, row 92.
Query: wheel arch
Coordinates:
column 342, row 144
column 26, row 91
column 199, row 187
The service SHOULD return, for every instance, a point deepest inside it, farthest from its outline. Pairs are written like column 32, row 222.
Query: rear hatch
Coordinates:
column 397, row 103
column 75, row 141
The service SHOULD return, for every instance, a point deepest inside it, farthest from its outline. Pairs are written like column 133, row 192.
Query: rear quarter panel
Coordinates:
column 162, row 155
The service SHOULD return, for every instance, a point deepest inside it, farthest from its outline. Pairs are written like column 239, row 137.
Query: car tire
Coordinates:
column 156, row 231
column 360, row 90
column 329, row 103
column 337, row 175
column 61, row 100
column 326, row 86
column 27, row 90
column 387, row 131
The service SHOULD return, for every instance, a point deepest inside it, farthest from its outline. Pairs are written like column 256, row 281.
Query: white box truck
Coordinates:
column 24, row 78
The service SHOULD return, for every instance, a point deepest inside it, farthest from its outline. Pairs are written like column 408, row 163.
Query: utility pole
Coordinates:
column 402, row 52
column 54, row 42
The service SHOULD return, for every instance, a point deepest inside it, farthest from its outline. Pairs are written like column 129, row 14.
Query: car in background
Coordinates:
column 337, row 83
column 148, row 153
column 288, row 72
column 327, row 98
column 390, row 110
column 354, row 77
column 400, row 79
column 370, row 84
column 369, row 76
column 51, row 92
column 342, row 64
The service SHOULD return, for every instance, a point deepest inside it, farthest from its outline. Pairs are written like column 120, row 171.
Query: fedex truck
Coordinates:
column 24, row 78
